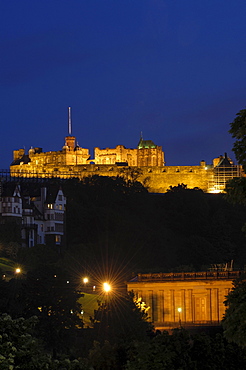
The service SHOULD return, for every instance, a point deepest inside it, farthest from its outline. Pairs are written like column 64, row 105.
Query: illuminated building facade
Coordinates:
column 147, row 154
column 38, row 210
column 147, row 161
column 184, row 299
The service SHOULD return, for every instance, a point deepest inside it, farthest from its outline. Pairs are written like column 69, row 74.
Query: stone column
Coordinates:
column 208, row 306
column 183, row 306
column 160, row 306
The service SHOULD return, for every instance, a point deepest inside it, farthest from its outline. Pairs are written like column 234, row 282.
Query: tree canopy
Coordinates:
column 238, row 131
column 234, row 322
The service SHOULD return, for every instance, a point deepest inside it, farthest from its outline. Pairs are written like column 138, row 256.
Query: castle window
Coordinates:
column 190, row 170
column 177, row 170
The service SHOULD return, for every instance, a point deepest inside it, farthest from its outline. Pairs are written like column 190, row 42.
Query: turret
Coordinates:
column 18, row 154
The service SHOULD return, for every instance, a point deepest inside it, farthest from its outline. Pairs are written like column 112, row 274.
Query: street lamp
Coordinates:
column 17, row 270
column 106, row 287
column 85, row 280
column 179, row 311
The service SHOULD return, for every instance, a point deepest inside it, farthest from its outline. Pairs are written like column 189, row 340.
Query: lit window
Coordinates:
column 50, row 206
column 58, row 239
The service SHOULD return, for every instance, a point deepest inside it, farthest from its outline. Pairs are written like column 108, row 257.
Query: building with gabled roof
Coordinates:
column 11, row 203
column 39, row 209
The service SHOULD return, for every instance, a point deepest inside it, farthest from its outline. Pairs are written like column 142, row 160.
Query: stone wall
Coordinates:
column 158, row 179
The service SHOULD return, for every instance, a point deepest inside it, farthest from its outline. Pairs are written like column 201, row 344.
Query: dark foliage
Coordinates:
column 238, row 131
column 234, row 322
column 143, row 231
column 46, row 294
column 121, row 320
column 184, row 351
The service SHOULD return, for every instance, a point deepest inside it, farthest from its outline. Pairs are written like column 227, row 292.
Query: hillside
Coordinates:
column 110, row 224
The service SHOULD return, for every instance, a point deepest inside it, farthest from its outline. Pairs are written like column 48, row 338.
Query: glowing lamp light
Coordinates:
column 85, row 280
column 17, row 270
column 106, row 287
column 179, row 309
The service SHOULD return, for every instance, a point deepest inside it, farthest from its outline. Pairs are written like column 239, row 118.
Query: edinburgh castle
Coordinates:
column 146, row 164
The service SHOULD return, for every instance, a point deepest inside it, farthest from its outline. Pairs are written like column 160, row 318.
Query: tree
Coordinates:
column 181, row 350
column 164, row 351
column 48, row 294
column 19, row 349
column 238, row 131
column 234, row 322
column 116, row 325
column 121, row 319
column 236, row 191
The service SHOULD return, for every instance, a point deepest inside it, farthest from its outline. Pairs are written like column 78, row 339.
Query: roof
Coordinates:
column 146, row 144
column 52, row 192
column 224, row 162
column 25, row 159
column 9, row 188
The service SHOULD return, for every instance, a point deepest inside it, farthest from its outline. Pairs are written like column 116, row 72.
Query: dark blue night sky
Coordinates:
column 175, row 70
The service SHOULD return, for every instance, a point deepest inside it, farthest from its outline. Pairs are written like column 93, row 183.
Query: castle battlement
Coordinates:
column 144, row 163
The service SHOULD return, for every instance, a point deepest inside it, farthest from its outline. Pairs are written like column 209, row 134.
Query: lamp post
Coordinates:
column 179, row 311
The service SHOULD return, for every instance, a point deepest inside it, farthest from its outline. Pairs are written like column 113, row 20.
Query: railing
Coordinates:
column 178, row 276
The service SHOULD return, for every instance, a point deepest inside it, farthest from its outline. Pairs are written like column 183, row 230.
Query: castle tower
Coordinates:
column 70, row 140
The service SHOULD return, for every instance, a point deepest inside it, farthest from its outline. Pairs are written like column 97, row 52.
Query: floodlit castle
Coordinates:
column 145, row 163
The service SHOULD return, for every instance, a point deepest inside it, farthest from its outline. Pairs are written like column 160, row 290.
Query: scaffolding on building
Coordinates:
column 221, row 175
